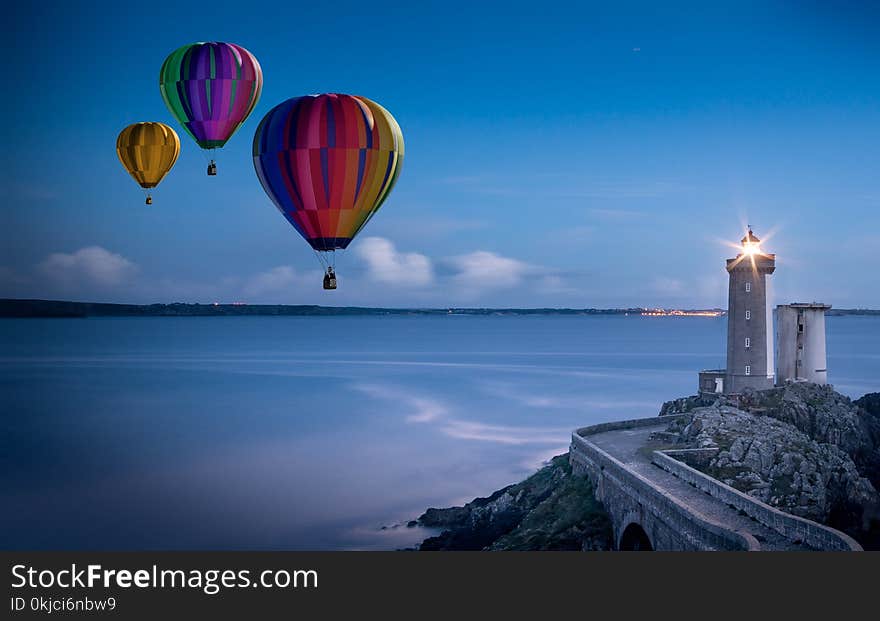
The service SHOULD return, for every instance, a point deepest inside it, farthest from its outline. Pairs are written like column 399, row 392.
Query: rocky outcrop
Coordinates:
column 550, row 510
column 802, row 448
column 816, row 410
column 827, row 417
column 780, row 465
column 685, row 404
column 870, row 403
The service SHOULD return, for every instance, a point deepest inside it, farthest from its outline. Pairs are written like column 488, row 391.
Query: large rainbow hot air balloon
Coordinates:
column 328, row 162
column 148, row 151
column 211, row 88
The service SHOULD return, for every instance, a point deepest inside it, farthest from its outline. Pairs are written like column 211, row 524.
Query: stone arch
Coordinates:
column 634, row 538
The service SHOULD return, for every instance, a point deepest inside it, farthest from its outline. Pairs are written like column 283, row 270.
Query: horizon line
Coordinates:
column 236, row 304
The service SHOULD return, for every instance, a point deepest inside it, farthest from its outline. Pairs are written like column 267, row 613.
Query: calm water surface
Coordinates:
column 315, row 432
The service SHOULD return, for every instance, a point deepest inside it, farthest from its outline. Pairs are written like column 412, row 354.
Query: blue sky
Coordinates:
column 557, row 154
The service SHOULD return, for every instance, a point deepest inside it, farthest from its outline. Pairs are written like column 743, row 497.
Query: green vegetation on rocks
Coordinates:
column 550, row 510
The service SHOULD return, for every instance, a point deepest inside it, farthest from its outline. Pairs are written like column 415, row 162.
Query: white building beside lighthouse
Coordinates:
column 800, row 343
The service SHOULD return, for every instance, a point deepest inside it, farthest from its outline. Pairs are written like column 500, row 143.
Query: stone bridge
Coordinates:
column 658, row 502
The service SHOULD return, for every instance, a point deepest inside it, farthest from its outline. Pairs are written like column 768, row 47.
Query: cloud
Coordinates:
column 93, row 265
column 278, row 279
column 485, row 269
column 97, row 274
column 386, row 264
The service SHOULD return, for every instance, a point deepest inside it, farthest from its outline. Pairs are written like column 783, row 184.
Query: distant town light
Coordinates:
column 662, row 312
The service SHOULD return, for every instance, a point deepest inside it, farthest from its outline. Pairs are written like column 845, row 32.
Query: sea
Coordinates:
column 321, row 433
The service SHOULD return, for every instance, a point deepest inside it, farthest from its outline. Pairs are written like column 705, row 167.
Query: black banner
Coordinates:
column 330, row 585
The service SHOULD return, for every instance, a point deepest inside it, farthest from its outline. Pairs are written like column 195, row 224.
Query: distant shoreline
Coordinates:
column 19, row 308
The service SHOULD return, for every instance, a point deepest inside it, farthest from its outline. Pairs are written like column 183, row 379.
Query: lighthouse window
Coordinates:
column 748, row 315
column 748, row 369
column 748, row 287
column 748, row 342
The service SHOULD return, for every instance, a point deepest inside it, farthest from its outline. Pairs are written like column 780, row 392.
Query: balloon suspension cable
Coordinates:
column 321, row 259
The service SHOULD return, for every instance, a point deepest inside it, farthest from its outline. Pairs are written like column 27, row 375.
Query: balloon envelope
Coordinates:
column 211, row 88
column 328, row 162
column 148, row 151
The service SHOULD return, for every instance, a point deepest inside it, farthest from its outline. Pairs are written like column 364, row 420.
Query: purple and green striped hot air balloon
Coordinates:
column 211, row 88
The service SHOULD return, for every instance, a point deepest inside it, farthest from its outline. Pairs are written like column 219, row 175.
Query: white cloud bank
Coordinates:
column 386, row 264
column 93, row 265
column 277, row 280
column 406, row 279
column 482, row 269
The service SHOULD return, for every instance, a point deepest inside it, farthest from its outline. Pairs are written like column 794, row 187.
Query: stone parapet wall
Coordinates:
column 629, row 497
column 811, row 533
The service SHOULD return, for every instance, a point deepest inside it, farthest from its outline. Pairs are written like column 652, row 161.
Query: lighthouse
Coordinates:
column 800, row 331
column 749, row 318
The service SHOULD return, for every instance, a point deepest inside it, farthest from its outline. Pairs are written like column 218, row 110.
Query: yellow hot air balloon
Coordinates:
column 148, row 151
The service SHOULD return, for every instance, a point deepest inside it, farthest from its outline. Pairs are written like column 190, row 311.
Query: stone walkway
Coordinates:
column 624, row 445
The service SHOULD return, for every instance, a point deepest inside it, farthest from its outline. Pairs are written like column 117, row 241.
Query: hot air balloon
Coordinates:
column 211, row 88
column 328, row 162
column 148, row 151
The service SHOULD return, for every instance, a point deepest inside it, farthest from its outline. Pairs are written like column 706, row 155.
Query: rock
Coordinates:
column 870, row 403
column 868, row 458
column 827, row 417
column 445, row 518
column 770, row 457
column 550, row 510
column 683, row 405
